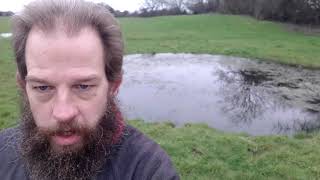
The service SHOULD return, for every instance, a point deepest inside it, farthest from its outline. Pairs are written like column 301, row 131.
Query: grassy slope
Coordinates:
column 221, row 34
column 4, row 24
column 8, row 93
column 198, row 151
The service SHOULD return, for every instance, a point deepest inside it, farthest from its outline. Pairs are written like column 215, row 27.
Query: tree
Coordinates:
column 6, row 13
column 152, row 5
column 181, row 5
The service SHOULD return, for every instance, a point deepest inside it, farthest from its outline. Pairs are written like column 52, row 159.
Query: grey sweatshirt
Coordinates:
column 137, row 158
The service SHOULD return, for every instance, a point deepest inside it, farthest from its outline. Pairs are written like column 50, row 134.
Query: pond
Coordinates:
column 5, row 35
column 227, row 93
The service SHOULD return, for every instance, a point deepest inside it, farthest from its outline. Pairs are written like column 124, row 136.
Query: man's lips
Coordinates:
column 66, row 138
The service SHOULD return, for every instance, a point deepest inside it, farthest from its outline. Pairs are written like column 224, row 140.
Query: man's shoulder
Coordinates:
column 139, row 157
column 138, row 143
column 10, row 164
column 9, row 139
column 9, row 145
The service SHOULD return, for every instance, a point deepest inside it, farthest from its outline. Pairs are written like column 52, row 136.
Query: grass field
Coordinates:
column 203, row 153
column 197, row 151
column 221, row 34
column 8, row 93
column 4, row 24
column 217, row 34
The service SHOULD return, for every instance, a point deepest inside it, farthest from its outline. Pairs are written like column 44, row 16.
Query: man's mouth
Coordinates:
column 66, row 138
column 66, row 133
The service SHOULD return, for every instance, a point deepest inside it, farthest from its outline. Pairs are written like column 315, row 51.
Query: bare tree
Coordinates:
column 167, row 4
column 153, row 5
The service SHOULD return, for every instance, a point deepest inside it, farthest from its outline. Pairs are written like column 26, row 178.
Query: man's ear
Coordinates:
column 21, row 83
column 114, row 89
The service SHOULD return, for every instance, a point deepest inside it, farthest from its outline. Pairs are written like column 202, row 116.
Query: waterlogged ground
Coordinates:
column 227, row 93
column 5, row 35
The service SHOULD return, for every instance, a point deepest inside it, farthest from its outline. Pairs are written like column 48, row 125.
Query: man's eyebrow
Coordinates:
column 87, row 78
column 77, row 79
column 35, row 79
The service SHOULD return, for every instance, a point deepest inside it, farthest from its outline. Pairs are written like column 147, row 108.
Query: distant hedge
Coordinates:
column 6, row 13
column 296, row 11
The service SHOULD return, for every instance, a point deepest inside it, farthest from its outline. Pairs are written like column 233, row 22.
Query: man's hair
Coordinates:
column 72, row 16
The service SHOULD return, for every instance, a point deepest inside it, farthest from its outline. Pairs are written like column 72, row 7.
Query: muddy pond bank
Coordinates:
column 228, row 93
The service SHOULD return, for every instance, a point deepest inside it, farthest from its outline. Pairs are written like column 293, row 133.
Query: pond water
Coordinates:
column 228, row 93
column 5, row 35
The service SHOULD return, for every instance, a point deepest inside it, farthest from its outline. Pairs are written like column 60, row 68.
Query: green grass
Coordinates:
column 216, row 34
column 8, row 92
column 197, row 151
column 221, row 34
column 4, row 24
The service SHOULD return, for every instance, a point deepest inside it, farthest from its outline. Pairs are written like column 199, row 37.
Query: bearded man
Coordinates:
column 69, row 67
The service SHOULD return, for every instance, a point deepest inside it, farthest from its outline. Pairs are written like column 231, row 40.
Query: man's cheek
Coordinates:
column 91, row 115
column 43, row 119
column 90, row 121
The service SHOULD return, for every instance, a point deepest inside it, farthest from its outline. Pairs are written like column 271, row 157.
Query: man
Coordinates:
column 69, row 68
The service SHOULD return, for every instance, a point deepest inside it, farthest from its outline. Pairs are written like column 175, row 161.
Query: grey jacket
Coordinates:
column 137, row 158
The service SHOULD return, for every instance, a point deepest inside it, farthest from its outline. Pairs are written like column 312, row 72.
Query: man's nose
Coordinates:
column 64, row 109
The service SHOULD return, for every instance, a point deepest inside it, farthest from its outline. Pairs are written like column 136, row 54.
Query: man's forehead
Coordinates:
column 61, row 29
column 40, row 42
column 56, row 52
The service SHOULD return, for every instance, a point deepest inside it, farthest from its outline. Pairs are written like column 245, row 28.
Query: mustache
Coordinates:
column 61, row 128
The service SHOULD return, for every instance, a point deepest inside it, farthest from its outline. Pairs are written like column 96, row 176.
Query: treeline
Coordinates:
column 6, row 13
column 295, row 11
column 144, row 12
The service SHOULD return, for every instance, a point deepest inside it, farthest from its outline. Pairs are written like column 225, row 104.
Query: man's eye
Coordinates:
column 83, row 87
column 42, row 88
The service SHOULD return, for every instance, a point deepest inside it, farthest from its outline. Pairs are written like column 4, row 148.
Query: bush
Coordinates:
column 296, row 11
column 271, row 9
column 237, row 7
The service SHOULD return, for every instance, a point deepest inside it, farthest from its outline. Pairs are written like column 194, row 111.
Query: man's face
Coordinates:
column 66, row 84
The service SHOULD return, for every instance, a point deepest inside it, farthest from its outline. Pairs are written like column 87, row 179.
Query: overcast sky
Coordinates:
column 130, row 5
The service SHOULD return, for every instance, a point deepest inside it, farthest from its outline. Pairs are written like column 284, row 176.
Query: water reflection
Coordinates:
column 5, row 35
column 227, row 93
column 244, row 99
column 305, row 125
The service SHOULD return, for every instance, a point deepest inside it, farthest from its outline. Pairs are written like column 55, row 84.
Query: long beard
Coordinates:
column 84, row 163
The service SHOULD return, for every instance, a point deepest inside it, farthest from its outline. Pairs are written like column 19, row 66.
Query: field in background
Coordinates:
column 8, row 92
column 221, row 34
column 197, row 151
column 4, row 24
column 217, row 34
